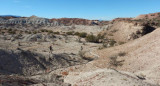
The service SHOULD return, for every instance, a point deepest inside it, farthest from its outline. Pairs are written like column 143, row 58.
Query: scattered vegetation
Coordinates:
column 76, row 33
column 113, row 59
column 120, row 43
column 114, row 62
column 34, row 32
column 44, row 30
column 95, row 39
column 92, row 38
column 113, row 31
column 70, row 33
column 56, row 33
column 112, row 42
column 10, row 31
column 82, row 34
column 121, row 53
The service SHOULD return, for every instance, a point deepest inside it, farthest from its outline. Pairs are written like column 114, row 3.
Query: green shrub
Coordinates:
column 56, row 33
column 120, row 43
column 83, row 34
column 76, row 33
column 95, row 39
column 43, row 30
column 99, row 36
column 70, row 33
column 34, row 32
column 92, row 38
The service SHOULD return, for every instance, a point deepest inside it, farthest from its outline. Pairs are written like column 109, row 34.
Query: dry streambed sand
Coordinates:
column 142, row 59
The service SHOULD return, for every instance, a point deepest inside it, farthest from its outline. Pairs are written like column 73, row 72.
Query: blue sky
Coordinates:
column 89, row 9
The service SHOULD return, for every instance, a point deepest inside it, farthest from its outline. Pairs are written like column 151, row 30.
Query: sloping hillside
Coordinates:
column 125, row 30
column 149, row 16
column 141, row 58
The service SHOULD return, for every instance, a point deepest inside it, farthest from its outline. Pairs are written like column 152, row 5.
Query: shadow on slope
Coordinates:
column 30, row 63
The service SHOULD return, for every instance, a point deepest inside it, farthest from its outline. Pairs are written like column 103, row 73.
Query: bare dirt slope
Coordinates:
column 141, row 59
column 142, row 56
column 124, row 31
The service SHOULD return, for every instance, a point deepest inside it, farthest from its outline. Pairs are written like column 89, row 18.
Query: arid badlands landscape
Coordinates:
column 37, row 51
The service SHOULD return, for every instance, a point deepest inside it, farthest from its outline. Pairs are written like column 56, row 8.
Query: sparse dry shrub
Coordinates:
column 34, row 32
column 43, row 30
column 92, row 38
column 112, row 42
column 76, row 33
column 82, row 34
column 10, row 31
column 56, row 33
column 120, row 43
column 115, row 30
column 122, row 53
column 70, row 33
column 113, row 61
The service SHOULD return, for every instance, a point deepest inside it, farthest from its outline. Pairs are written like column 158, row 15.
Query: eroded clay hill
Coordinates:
column 124, row 30
column 139, row 59
column 149, row 16
column 122, row 52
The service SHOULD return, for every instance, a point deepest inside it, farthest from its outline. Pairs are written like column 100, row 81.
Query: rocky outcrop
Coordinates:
column 33, row 20
column 76, row 21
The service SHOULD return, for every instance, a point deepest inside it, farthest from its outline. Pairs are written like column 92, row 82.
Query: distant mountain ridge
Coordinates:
column 34, row 20
column 9, row 16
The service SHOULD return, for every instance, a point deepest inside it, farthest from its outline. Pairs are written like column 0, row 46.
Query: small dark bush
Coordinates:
column 70, row 33
column 34, row 32
column 83, row 34
column 9, row 29
column 12, row 32
column 114, row 62
column 56, row 33
column 122, row 54
column 76, row 33
column 120, row 43
column 99, row 36
column 112, row 42
column 92, row 38
column 29, row 32
column 43, row 30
